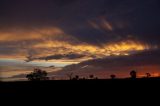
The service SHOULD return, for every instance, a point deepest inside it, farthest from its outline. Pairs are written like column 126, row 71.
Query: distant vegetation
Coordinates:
column 37, row 75
column 113, row 76
column 133, row 74
column 40, row 75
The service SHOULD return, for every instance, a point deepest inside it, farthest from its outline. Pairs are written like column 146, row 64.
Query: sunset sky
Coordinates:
column 100, row 36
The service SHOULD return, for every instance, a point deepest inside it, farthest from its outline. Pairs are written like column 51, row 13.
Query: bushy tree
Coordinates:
column 148, row 75
column 37, row 75
column 133, row 74
column 113, row 76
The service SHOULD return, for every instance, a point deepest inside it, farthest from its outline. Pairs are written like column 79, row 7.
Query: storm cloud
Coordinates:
column 114, row 19
column 51, row 27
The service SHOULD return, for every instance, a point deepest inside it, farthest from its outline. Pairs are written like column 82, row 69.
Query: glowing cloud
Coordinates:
column 54, row 48
column 52, row 43
column 18, row 34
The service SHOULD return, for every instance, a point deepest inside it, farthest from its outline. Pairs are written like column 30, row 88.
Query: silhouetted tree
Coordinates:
column 37, row 75
column 76, row 78
column 148, row 75
column 133, row 74
column 96, row 78
column 113, row 76
column 83, row 78
column 91, row 76
column 70, row 75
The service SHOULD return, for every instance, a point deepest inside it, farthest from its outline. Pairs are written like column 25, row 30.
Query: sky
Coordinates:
column 75, row 31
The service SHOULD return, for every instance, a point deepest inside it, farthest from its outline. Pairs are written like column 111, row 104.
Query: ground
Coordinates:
column 50, row 87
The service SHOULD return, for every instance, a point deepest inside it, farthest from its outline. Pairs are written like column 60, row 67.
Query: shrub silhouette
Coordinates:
column 76, row 78
column 113, row 76
column 148, row 75
column 37, row 75
column 70, row 75
column 91, row 76
column 133, row 74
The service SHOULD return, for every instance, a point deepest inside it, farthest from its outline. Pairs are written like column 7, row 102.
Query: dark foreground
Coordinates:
column 31, row 89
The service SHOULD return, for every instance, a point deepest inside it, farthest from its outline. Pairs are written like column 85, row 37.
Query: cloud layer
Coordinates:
column 77, row 30
column 53, row 43
column 142, row 62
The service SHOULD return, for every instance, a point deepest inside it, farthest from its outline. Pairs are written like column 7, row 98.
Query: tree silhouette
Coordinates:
column 91, row 76
column 70, row 75
column 76, row 78
column 148, row 75
column 37, row 75
column 113, row 76
column 96, row 78
column 133, row 74
column 83, row 78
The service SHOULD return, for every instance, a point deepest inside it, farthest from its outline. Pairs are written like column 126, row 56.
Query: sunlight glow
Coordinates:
column 51, row 41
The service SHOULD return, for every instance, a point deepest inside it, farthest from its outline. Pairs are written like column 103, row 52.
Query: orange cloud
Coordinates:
column 47, row 48
column 63, row 47
column 21, row 34
column 53, row 41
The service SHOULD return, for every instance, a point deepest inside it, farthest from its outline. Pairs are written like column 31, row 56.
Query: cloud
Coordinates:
column 19, row 34
column 143, row 62
column 138, row 59
column 64, row 56
column 96, row 29
column 115, row 35
column 101, row 24
column 63, row 50
column 53, row 43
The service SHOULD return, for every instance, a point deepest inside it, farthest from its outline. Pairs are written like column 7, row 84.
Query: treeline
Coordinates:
column 41, row 75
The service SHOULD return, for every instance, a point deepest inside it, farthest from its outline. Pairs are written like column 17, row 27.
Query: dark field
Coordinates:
column 12, row 89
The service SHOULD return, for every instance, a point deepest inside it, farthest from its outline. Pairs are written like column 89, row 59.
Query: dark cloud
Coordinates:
column 64, row 56
column 79, row 26
column 140, row 19
column 142, row 59
column 19, row 48
column 138, row 59
column 142, row 62
column 7, row 51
